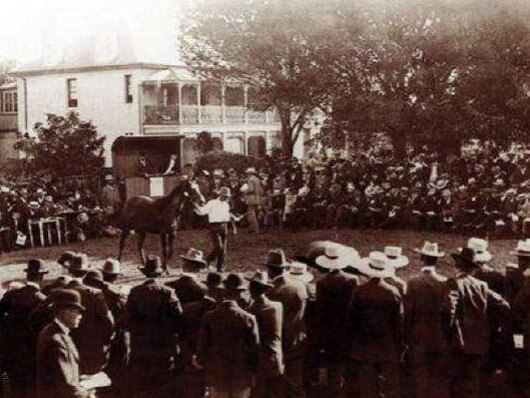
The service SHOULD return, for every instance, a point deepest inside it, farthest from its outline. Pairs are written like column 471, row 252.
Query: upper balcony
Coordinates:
column 178, row 100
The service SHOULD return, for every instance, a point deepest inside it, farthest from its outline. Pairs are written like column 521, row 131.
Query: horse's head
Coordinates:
column 193, row 193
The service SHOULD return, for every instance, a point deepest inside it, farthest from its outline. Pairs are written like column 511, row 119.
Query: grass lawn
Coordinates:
column 246, row 252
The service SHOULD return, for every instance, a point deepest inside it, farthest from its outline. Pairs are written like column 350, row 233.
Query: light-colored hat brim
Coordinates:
column 519, row 254
column 194, row 260
column 348, row 257
column 429, row 254
column 399, row 262
column 306, row 277
column 481, row 258
column 364, row 268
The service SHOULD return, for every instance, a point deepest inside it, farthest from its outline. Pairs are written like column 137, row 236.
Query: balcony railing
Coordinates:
column 193, row 115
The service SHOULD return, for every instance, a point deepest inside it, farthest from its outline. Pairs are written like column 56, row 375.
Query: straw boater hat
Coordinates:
column 337, row 256
column 395, row 256
column 376, row 265
column 298, row 271
column 276, row 259
column 111, row 266
column 480, row 247
column 261, row 278
column 430, row 249
column 194, row 256
column 522, row 249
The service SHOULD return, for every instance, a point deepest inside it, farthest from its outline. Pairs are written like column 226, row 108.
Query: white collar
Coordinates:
column 428, row 268
column 34, row 284
column 64, row 328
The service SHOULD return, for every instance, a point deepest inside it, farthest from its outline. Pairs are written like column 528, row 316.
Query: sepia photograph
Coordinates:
column 265, row 199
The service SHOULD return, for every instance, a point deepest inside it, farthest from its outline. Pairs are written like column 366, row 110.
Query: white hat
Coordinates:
column 480, row 247
column 218, row 173
column 375, row 265
column 522, row 249
column 299, row 272
column 109, row 177
column 4, row 189
column 430, row 249
column 39, row 190
column 304, row 191
column 250, row 170
column 395, row 256
column 337, row 256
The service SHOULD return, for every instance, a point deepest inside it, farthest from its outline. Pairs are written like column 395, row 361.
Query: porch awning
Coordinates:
column 172, row 75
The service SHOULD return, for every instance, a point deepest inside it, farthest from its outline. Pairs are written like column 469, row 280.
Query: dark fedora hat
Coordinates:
column 276, row 258
column 214, row 280
column 260, row 279
column 36, row 266
column 465, row 257
column 153, row 266
column 94, row 275
column 66, row 258
column 79, row 262
column 235, row 282
column 66, row 298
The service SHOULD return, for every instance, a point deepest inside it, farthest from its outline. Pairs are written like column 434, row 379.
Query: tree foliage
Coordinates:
column 63, row 146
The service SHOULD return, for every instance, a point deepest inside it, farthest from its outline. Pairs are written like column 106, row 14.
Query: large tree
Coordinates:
column 64, row 146
column 285, row 50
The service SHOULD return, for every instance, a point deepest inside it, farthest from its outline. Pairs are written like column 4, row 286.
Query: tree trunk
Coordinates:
column 287, row 142
column 399, row 142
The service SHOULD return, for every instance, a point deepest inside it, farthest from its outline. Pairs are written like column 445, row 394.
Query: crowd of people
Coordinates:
column 328, row 323
column 484, row 191
column 84, row 209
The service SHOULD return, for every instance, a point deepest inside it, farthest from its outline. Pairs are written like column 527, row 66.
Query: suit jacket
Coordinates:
column 269, row 315
column 513, row 281
column 494, row 279
column 470, row 304
column 521, row 313
column 57, row 365
column 93, row 336
column 293, row 295
column 18, row 342
column 152, row 317
column 423, row 313
column 376, row 322
column 187, row 288
column 228, row 347
column 255, row 191
column 333, row 295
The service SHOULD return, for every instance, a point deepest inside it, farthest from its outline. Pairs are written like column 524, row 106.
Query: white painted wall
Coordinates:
column 101, row 98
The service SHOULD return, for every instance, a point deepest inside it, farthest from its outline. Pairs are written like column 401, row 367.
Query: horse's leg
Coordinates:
column 141, row 240
column 123, row 237
column 164, row 249
column 170, row 242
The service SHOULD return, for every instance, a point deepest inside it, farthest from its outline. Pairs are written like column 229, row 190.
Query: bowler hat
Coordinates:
column 153, row 266
column 36, row 266
column 66, row 298
column 214, row 279
column 79, row 262
column 94, row 275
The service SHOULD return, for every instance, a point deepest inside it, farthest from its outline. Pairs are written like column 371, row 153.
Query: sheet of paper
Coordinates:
column 96, row 381
column 156, row 186
column 518, row 341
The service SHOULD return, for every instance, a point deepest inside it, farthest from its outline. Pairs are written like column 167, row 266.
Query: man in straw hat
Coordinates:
column 152, row 316
column 188, row 287
column 269, row 315
column 293, row 295
column 376, row 329
column 228, row 344
column 468, row 308
column 18, row 343
column 218, row 212
column 333, row 294
column 427, row 348
column 57, row 356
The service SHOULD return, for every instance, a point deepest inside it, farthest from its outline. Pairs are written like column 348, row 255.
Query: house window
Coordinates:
column 71, row 86
column 128, row 89
column 9, row 102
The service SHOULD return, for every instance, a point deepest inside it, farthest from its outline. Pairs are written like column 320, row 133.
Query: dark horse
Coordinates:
column 156, row 216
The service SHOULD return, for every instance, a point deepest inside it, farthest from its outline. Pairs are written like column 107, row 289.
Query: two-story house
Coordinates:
column 8, row 120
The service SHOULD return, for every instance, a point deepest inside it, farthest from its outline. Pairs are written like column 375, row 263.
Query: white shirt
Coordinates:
column 216, row 209
column 170, row 167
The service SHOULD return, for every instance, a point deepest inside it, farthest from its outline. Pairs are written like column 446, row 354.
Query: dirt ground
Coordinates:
column 247, row 252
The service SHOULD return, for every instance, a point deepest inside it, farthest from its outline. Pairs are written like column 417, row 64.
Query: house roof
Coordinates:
column 8, row 86
column 172, row 74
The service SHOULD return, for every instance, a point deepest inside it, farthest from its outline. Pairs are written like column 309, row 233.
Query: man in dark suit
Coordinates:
column 376, row 330
column 17, row 341
column 427, row 346
column 333, row 295
column 93, row 336
column 468, row 308
column 152, row 317
column 57, row 356
column 293, row 295
column 228, row 345
column 269, row 315
column 520, row 371
column 514, row 278
column 187, row 287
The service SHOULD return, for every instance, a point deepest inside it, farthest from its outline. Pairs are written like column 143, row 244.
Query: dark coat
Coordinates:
column 293, row 295
column 494, row 279
column 269, row 315
column 93, row 336
column 333, row 295
column 57, row 365
column 18, row 342
column 513, row 281
column 152, row 317
column 228, row 347
column 376, row 322
column 424, row 300
column 471, row 304
column 521, row 313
